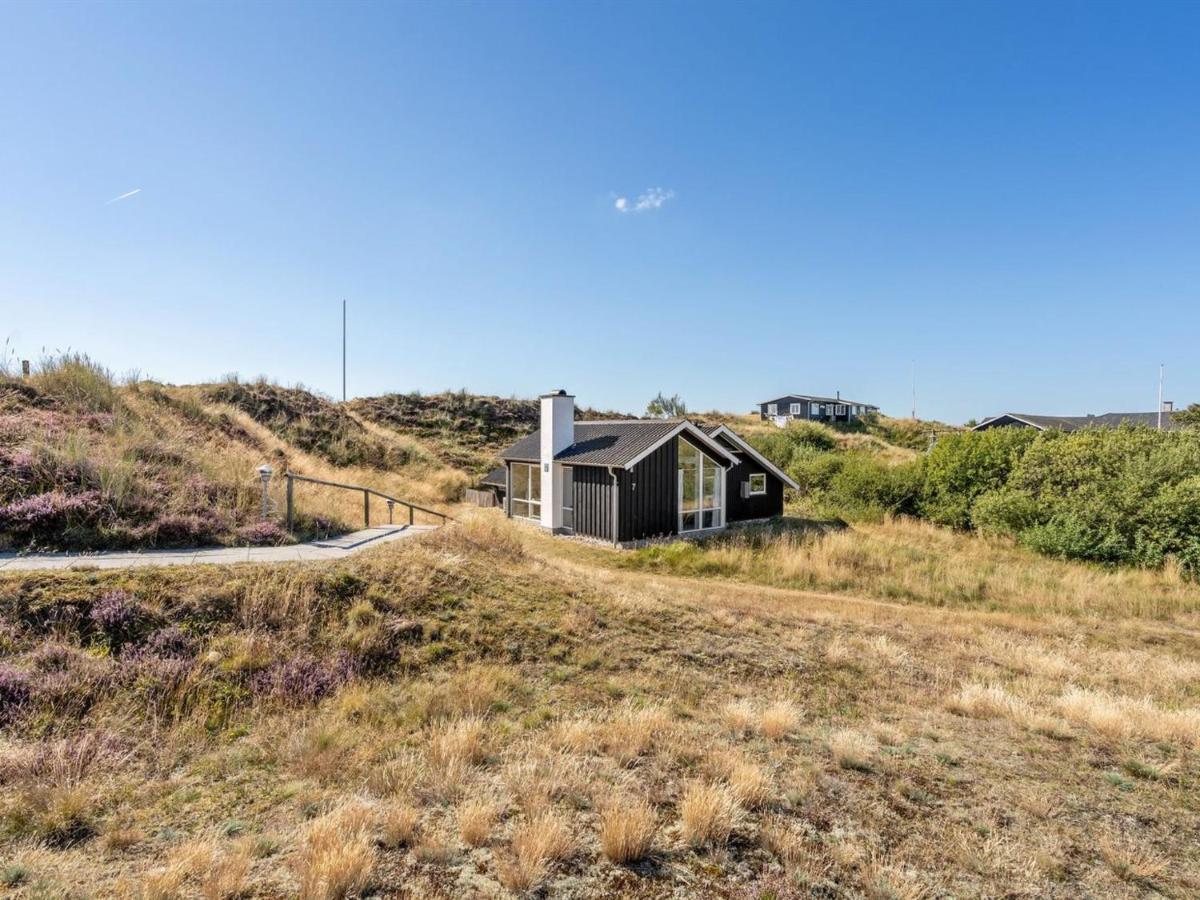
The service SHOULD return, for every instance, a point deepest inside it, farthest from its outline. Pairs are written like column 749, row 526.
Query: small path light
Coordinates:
column 264, row 473
column 391, row 505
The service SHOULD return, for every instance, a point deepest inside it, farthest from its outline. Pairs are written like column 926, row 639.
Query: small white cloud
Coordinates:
column 652, row 198
column 124, row 196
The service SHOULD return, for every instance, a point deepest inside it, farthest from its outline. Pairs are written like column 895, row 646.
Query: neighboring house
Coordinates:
column 630, row 479
column 491, row 488
column 782, row 410
column 1075, row 423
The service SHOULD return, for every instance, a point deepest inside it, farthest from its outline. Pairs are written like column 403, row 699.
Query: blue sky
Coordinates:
column 1006, row 194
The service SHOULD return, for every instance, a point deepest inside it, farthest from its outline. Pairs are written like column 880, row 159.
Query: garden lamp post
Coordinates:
column 390, row 505
column 264, row 473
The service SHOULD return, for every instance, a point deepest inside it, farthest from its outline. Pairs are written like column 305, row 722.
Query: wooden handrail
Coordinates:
column 367, row 492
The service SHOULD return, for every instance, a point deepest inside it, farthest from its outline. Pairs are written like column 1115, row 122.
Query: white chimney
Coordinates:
column 558, row 433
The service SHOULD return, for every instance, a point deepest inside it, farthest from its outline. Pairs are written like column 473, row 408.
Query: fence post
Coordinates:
column 410, row 515
column 290, row 482
column 366, row 509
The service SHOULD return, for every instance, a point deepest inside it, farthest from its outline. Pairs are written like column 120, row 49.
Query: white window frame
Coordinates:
column 839, row 409
column 763, row 489
column 534, row 506
column 568, row 504
column 772, row 409
column 718, row 511
column 814, row 410
column 795, row 409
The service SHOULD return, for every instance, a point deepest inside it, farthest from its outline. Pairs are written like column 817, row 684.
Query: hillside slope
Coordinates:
column 465, row 430
column 88, row 464
column 487, row 709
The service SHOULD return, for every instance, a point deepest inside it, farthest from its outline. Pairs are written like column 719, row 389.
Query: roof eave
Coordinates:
column 758, row 457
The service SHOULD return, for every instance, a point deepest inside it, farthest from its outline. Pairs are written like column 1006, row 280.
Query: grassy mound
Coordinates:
column 80, row 468
column 87, row 464
column 466, row 430
column 311, row 423
column 488, row 710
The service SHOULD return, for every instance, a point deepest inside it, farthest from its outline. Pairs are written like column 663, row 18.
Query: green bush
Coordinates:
column 1005, row 511
column 963, row 466
column 1126, row 495
column 867, row 486
column 800, row 437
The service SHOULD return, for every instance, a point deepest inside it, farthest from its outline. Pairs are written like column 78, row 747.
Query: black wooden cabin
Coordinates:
column 631, row 479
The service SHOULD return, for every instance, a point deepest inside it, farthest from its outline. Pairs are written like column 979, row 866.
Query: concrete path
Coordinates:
column 334, row 548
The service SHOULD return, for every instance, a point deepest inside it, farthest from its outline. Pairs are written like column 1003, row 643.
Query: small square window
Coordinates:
column 795, row 409
column 772, row 409
column 758, row 483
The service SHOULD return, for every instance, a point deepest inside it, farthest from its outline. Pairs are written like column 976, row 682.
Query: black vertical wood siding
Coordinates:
column 739, row 508
column 592, row 493
column 649, row 495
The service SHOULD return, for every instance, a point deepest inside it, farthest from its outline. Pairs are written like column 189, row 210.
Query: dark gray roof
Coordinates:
column 496, row 477
column 817, row 399
column 607, row 443
column 1075, row 423
column 741, row 445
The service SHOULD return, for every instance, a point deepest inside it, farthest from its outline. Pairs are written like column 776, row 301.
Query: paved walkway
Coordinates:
column 334, row 548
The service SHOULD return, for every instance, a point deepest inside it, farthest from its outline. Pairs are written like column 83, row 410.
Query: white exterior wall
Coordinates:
column 558, row 433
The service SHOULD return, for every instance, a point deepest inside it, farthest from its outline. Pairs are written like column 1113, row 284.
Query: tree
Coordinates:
column 666, row 407
column 1188, row 418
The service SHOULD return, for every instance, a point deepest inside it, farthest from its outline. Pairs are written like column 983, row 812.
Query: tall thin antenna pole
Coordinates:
column 914, row 385
column 1160, row 387
column 343, row 351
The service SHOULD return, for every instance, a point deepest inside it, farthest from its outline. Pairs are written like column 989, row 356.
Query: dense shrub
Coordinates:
column 963, row 466
column 303, row 679
column 868, row 486
column 1127, row 495
column 15, row 692
column 171, row 642
column 49, row 518
column 784, row 445
column 117, row 616
column 263, row 533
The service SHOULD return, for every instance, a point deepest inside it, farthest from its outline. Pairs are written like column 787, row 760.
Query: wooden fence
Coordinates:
column 367, row 493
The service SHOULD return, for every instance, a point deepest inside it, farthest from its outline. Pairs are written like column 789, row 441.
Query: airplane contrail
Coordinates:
column 125, row 195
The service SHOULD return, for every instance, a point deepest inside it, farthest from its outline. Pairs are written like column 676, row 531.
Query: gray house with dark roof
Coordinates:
column 630, row 479
column 1075, row 423
column 784, row 409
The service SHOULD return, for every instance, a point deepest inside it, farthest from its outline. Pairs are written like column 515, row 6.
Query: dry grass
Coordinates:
column 779, row 720
column 476, row 819
column 337, row 854
column 460, row 740
column 751, row 785
column 1139, row 866
column 1124, row 717
column 853, row 750
column 213, row 872
column 915, row 561
column 631, row 732
column 536, row 844
column 959, row 716
column 627, row 828
column 708, row 814
column 399, row 825
column 739, row 717
column 984, row 701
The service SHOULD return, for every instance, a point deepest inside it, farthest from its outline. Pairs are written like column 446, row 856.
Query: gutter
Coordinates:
column 616, row 506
